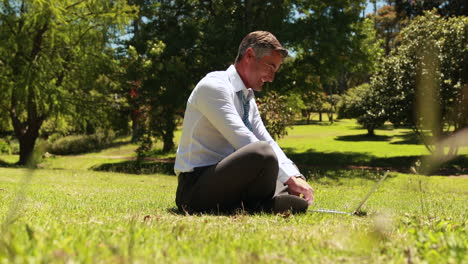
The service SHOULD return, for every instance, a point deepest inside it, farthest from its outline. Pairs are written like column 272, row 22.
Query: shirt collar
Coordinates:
column 237, row 82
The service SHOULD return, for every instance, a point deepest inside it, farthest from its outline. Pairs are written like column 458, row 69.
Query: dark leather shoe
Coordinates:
column 284, row 203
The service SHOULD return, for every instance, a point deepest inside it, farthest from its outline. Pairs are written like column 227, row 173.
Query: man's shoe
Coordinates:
column 287, row 202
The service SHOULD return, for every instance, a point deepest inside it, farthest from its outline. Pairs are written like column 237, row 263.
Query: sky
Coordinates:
column 370, row 6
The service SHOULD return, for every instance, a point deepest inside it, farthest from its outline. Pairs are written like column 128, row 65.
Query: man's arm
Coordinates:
column 288, row 172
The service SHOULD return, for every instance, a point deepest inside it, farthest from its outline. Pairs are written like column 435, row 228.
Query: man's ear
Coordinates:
column 250, row 54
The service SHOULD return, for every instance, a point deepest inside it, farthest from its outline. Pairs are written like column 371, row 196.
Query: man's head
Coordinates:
column 259, row 57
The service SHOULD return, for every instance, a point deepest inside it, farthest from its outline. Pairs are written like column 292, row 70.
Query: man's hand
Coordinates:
column 298, row 186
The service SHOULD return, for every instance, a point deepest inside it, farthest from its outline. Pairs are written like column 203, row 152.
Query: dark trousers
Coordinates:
column 245, row 179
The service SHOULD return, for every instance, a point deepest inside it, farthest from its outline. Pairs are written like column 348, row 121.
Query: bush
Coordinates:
column 76, row 144
column 362, row 103
column 4, row 147
column 350, row 105
column 276, row 114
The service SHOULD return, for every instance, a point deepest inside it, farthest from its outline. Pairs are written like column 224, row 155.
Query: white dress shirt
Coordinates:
column 213, row 126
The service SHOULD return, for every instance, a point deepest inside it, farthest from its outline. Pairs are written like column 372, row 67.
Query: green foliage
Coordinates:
column 435, row 238
column 362, row 102
column 351, row 102
column 295, row 103
column 195, row 45
column 146, row 144
column 4, row 147
column 334, row 43
column 411, row 9
column 388, row 25
column 53, row 56
column 276, row 114
column 423, row 83
column 330, row 105
column 77, row 144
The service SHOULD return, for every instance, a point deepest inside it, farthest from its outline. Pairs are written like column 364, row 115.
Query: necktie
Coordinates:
column 246, row 105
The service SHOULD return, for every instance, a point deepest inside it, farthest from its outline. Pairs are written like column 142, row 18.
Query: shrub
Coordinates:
column 76, row 144
column 276, row 114
column 4, row 147
column 361, row 103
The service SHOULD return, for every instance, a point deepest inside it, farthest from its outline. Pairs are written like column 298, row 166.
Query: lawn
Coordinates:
column 67, row 211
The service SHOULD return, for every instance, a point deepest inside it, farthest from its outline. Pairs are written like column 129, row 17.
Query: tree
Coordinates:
column 296, row 78
column 388, row 26
column 411, row 9
column 330, row 106
column 50, row 58
column 364, row 104
column 329, row 43
column 199, row 37
column 330, row 37
column 424, row 82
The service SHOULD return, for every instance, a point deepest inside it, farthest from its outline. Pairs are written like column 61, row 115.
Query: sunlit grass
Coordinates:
column 68, row 213
column 107, row 217
column 346, row 136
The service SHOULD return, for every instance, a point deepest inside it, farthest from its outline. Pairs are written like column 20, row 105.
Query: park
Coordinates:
column 92, row 106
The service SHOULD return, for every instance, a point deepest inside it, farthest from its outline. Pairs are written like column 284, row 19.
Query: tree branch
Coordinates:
column 37, row 41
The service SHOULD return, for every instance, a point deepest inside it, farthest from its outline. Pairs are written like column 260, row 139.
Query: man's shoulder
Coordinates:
column 215, row 78
column 216, row 75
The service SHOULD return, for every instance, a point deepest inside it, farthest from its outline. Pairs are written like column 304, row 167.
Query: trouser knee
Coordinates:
column 264, row 153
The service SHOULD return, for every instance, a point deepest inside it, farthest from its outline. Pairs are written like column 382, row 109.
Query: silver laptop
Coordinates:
column 357, row 210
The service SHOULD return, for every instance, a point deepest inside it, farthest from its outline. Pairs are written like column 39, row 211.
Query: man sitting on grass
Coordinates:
column 226, row 158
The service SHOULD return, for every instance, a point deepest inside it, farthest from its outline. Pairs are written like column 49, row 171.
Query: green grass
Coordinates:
column 65, row 212
column 345, row 136
column 344, row 144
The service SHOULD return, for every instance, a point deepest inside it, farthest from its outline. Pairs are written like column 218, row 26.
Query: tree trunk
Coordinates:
column 26, row 133
column 136, row 126
column 167, row 128
column 320, row 116
column 370, row 131
column 168, row 141
column 27, row 144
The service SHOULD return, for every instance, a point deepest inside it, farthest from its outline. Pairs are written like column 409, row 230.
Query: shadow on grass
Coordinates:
column 5, row 164
column 363, row 137
column 315, row 123
column 93, row 150
column 405, row 138
column 386, row 127
column 136, row 167
column 229, row 213
column 315, row 164
column 408, row 138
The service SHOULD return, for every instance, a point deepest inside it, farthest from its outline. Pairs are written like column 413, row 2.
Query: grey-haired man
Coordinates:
column 226, row 158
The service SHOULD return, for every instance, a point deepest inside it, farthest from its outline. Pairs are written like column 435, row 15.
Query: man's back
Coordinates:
column 212, row 127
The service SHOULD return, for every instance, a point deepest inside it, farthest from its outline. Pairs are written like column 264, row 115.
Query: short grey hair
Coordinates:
column 262, row 42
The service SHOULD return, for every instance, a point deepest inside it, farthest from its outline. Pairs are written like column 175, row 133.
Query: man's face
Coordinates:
column 262, row 70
